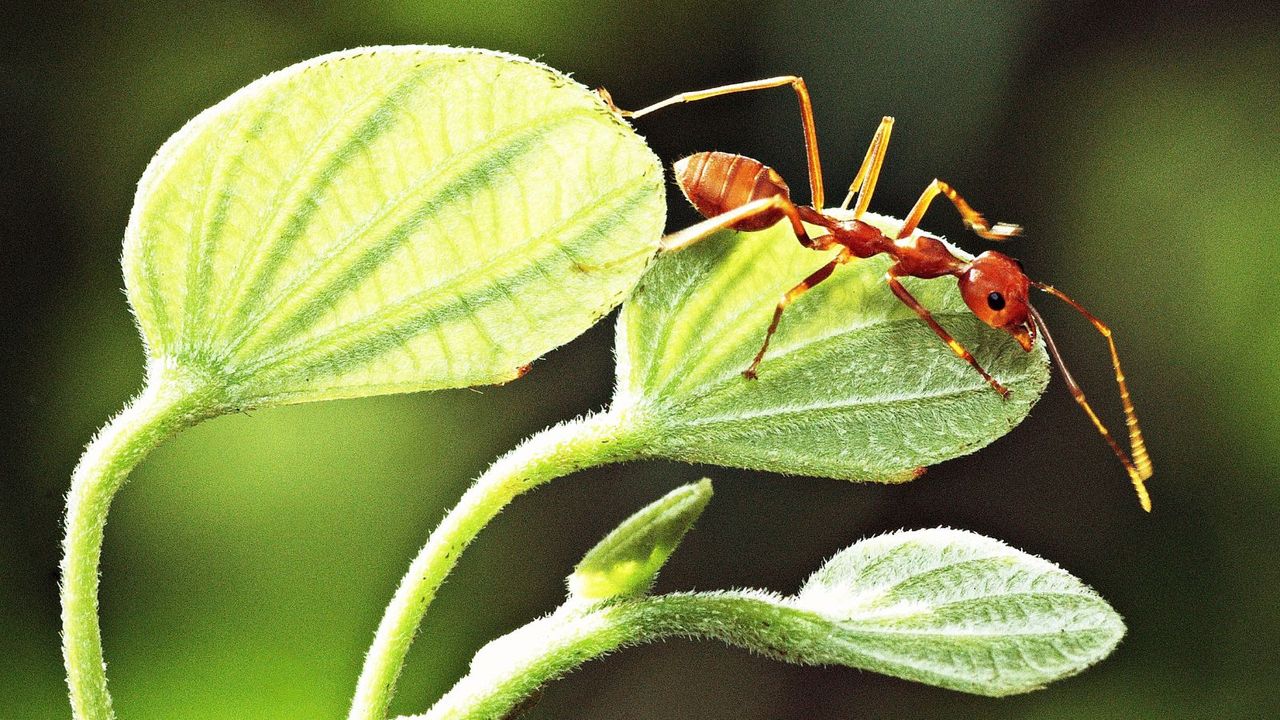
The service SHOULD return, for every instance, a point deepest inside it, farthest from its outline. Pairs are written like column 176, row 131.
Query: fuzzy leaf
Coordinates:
column 854, row 386
column 942, row 607
column 388, row 219
column 626, row 562
column 957, row 610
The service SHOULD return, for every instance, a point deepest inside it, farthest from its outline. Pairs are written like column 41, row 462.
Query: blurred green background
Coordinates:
column 249, row 559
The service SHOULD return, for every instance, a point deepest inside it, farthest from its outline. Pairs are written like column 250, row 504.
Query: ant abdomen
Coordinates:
column 717, row 182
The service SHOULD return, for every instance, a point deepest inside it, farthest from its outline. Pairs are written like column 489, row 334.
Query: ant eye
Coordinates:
column 995, row 301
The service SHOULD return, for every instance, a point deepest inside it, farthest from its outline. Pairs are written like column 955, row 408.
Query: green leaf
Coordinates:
column 943, row 607
column 954, row 609
column 854, row 385
column 388, row 219
column 626, row 562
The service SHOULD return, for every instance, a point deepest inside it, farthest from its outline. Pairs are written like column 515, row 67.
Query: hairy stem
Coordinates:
column 168, row 403
column 554, row 452
column 511, row 668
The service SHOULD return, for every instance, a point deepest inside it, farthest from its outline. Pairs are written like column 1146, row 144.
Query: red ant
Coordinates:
column 737, row 192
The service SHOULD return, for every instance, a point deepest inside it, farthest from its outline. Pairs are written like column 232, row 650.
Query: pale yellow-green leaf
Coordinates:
column 388, row 219
column 854, row 385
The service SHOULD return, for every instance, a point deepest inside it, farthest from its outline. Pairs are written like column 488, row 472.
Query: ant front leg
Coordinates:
column 972, row 218
column 806, row 116
column 960, row 350
column 805, row 286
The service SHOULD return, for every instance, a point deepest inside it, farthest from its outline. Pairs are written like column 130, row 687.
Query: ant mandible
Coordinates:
column 739, row 193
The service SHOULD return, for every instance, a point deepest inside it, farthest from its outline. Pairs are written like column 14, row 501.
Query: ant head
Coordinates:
column 995, row 289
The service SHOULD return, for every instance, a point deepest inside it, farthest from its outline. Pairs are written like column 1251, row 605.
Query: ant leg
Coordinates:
column 806, row 116
column 963, row 353
column 805, row 286
column 864, row 183
column 972, row 218
column 684, row 238
column 693, row 234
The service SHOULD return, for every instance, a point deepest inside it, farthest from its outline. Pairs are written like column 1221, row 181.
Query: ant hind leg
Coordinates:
column 774, row 203
column 698, row 232
column 806, row 116
column 789, row 297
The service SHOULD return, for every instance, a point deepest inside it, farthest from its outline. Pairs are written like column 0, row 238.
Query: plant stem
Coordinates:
column 169, row 402
column 593, row 440
column 508, row 670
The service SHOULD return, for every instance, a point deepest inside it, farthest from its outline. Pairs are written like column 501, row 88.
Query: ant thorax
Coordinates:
column 890, row 226
column 919, row 254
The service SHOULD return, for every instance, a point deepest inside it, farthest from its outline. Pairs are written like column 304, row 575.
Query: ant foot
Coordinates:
column 749, row 373
column 608, row 100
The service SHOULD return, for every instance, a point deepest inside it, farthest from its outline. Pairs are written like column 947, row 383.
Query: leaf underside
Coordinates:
column 958, row 610
column 388, row 219
column 854, row 385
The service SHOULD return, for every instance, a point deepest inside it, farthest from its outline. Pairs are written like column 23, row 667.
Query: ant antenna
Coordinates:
column 1139, row 466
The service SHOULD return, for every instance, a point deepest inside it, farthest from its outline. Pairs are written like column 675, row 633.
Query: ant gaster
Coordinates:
column 739, row 193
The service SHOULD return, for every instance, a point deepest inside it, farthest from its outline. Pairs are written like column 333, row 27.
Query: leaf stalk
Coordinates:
column 589, row 441
column 171, row 400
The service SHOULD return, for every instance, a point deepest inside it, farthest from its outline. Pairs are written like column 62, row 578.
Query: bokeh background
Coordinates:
column 249, row 559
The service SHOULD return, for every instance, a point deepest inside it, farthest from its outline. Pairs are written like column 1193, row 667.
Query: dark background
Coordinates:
column 247, row 563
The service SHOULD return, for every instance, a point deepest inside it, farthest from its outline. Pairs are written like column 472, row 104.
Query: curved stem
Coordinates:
column 510, row 669
column 169, row 402
column 554, row 452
